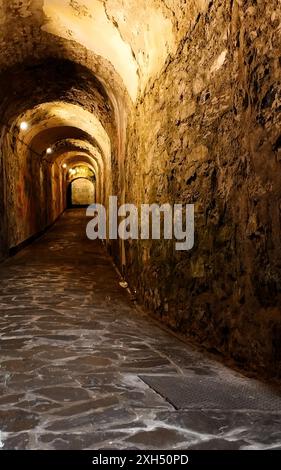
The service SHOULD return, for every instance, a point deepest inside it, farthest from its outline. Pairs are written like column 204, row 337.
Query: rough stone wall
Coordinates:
column 2, row 208
column 208, row 133
column 34, row 195
column 57, row 191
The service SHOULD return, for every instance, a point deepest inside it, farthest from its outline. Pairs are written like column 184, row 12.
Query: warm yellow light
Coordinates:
column 64, row 166
column 23, row 126
column 49, row 151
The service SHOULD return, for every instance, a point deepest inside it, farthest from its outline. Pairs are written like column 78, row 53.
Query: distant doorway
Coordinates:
column 81, row 193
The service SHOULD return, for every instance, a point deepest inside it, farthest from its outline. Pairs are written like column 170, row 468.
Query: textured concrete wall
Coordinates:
column 208, row 132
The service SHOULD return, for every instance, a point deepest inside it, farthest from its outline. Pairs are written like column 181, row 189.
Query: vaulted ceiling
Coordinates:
column 75, row 69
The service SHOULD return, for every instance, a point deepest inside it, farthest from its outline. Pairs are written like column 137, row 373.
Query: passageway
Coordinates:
column 159, row 103
column 82, row 368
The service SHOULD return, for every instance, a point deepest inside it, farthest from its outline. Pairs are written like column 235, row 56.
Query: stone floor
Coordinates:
column 81, row 368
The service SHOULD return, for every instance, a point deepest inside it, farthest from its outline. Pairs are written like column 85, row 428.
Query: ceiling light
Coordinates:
column 23, row 126
column 49, row 151
column 64, row 166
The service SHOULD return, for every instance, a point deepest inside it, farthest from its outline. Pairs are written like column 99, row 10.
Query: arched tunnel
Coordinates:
column 129, row 342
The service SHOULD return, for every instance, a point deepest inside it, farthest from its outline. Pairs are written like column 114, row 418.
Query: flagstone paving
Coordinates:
column 82, row 368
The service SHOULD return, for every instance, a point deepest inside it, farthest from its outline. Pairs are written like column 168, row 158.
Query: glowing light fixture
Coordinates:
column 49, row 151
column 64, row 166
column 23, row 126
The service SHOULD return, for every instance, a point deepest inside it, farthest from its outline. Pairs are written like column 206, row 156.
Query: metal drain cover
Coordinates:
column 210, row 393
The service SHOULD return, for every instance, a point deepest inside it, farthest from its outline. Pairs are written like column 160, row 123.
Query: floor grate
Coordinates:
column 210, row 393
